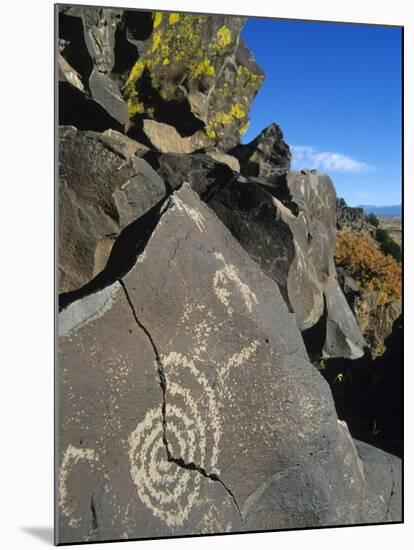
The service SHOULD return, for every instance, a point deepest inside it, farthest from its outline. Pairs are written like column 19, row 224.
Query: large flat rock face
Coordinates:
column 114, row 478
column 186, row 399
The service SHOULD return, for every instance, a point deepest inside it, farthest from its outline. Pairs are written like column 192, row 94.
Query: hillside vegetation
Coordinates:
column 372, row 269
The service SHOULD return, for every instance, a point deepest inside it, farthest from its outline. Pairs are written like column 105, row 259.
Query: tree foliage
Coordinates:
column 387, row 244
column 369, row 266
column 373, row 220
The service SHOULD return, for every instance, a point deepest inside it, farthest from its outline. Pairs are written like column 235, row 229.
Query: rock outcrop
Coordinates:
column 161, row 426
column 193, row 72
column 267, row 156
column 374, row 319
column 104, row 186
column 198, row 290
column 352, row 219
column 368, row 392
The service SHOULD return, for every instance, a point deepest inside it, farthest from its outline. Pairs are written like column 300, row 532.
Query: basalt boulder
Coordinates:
column 191, row 72
column 104, row 186
column 289, row 229
column 195, row 73
column 374, row 319
column 267, row 156
column 205, row 405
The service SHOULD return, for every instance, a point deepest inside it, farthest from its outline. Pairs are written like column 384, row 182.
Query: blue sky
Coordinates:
column 335, row 90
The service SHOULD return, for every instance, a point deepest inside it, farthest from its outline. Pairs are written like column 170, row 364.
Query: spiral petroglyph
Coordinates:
column 192, row 432
column 167, row 490
column 189, row 428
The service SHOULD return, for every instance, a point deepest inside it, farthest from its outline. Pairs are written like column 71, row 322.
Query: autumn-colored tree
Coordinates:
column 372, row 269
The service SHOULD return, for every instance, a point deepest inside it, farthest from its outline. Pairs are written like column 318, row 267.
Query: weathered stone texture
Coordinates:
column 103, row 188
column 157, row 433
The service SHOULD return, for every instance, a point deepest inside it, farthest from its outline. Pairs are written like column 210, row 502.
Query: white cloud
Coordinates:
column 310, row 157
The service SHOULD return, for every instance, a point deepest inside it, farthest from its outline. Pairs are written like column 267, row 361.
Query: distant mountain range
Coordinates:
column 394, row 210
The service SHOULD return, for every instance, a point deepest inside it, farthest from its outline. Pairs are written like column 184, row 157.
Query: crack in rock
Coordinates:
column 94, row 529
column 277, row 475
column 387, row 514
column 127, row 248
column 163, row 383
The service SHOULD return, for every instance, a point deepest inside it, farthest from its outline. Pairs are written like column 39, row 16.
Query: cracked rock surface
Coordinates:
column 197, row 292
column 104, row 186
column 159, row 375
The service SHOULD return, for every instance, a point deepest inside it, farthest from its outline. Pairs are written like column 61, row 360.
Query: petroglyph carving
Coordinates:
column 222, row 279
column 192, row 213
column 71, row 457
column 191, row 429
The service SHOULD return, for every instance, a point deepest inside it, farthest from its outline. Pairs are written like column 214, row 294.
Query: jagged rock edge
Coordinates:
column 110, row 274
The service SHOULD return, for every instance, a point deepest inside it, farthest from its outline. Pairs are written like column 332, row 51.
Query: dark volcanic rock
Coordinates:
column 198, row 278
column 368, row 393
column 267, row 156
column 375, row 480
column 191, row 72
column 374, row 319
column 253, row 217
column 350, row 218
column 343, row 335
column 107, row 93
column 68, row 75
column 293, row 241
column 157, row 435
column 200, row 170
column 99, row 27
column 166, row 139
column 383, row 475
column 102, row 190
column 199, row 67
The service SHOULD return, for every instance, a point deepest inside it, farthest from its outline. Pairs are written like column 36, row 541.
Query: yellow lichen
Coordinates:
column 174, row 18
column 225, row 91
column 157, row 18
column 237, row 111
column 156, row 41
column 130, row 89
column 134, row 107
column 223, row 37
column 204, row 67
column 223, row 118
column 134, row 75
column 247, row 77
column 178, row 40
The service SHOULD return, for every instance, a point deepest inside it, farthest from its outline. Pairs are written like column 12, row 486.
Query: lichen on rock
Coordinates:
column 198, row 294
column 192, row 56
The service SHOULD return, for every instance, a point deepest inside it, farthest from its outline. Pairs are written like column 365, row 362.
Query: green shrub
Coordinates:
column 392, row 248
column 388, row 245
column 373, row 220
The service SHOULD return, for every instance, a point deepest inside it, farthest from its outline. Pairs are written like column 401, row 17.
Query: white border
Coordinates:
column 26, row 272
